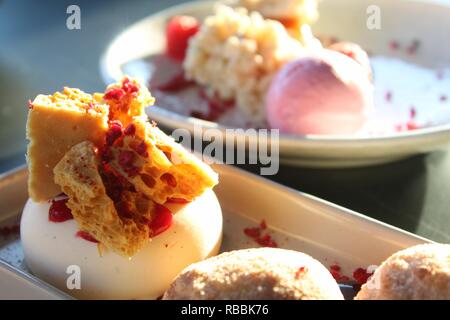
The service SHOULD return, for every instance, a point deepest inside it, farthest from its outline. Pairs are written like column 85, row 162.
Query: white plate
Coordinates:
column 402, row 20
column 331, row 234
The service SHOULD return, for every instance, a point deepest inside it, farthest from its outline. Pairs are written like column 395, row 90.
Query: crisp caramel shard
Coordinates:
column 78, row 175
column 153, row 162
column 55, row 124
column 111, row 162
column 127, row 99
column 160, row 168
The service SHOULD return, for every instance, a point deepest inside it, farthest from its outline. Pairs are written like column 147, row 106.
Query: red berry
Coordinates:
column 114, row 132
column 114, row 94
column 161, row 221
column 141, row 149
column 86, row 236
column 252, row 232
column 126, row 158
column 179, row 30
column 263, row 224
column 361, row 275
column 129, row 87
column 177, row 200
column 130, row 130
column 59, row 212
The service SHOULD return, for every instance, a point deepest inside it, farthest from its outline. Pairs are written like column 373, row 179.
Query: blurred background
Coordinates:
column 38, row 54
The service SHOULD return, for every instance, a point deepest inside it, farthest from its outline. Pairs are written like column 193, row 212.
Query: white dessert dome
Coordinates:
column 53, row 252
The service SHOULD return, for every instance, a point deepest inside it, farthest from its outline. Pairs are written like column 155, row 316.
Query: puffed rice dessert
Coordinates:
column 301, row 11
column 235, row 56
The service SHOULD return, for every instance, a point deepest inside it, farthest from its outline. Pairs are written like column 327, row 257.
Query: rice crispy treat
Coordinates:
column 296, row 12
column 236, row 54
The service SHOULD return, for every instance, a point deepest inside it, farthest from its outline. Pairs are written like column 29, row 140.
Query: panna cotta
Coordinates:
column 53, row 248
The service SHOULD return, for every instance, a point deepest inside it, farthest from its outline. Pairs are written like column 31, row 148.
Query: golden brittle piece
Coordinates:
column 127, row 99
column 159, row 167
column 78, row 175
column 55, row 124
column 116, row 168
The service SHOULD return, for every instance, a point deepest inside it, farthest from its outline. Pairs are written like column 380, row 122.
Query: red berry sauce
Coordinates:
column 175, row 83
column 216, row 107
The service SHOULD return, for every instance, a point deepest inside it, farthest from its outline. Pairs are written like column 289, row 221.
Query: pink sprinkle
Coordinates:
column 388, row 96
column 86, row 236
column 263, row 224
column 394, row 45
column 440, row 75
column 411, row 125
column 443, row 98
column 399, row 128
column 361, row 275
column 412, row 49
column 130, row 130
column 412, row 113
column 299, row 272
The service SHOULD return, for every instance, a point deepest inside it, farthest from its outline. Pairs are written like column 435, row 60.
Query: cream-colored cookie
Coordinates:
column 255, row 274
column 417, row 273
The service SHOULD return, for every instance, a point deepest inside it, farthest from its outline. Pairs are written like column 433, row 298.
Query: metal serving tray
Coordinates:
column 329, row 233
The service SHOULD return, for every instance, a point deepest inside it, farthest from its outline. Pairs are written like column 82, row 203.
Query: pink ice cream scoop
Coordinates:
column 323, row 92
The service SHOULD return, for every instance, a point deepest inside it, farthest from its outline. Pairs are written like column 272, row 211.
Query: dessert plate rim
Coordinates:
column 330, row 151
